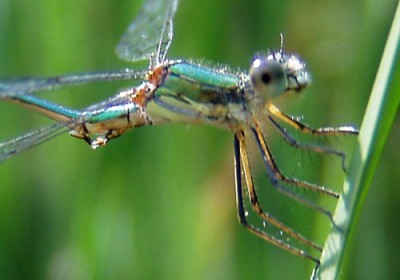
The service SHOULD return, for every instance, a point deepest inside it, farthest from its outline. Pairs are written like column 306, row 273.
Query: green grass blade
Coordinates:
column 378, row 120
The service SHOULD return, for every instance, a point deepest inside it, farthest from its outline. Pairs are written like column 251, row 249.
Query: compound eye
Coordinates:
column 268, row 78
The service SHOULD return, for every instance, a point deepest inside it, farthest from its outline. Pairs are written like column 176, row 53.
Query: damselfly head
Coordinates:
column 275, row 73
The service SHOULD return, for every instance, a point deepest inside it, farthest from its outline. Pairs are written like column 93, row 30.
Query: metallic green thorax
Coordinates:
column 176, row 91
column 195, row 94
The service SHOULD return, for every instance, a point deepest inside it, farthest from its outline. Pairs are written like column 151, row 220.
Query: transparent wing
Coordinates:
column 21, row 143
column 30, row 139
column 150, row 33
column 26, row 86
column 12, row 87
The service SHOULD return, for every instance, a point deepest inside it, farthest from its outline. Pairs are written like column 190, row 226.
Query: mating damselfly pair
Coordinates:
column 182, row 91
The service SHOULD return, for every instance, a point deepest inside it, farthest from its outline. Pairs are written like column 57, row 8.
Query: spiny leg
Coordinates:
column 347, row 129
column 290, row 120
column 241, row 161
column 276, row 173
column 316, row 148
column 275, row 176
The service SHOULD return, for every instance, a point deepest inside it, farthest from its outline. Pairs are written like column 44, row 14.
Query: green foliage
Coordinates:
column 378, row 121
column 158, row 203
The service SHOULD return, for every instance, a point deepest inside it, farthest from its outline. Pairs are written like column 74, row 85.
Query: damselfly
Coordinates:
column 183, row 91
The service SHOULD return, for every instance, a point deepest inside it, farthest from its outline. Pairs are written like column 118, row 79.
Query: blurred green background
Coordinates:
column 158, row 203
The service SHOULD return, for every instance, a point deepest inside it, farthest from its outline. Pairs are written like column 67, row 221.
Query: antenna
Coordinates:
column 281, row 48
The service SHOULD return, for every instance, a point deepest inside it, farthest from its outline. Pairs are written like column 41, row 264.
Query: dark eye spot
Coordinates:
column 266, row 78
